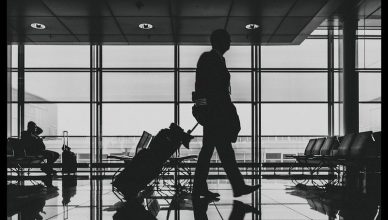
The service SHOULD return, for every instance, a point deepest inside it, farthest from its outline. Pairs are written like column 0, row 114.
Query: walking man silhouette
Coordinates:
column 220, row 120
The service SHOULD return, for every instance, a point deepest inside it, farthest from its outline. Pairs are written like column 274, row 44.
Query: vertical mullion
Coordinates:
column 91, row 99
column 91, row 132
column 99, row 159
column 176, row 84
column 21, row 87
column 330, row 81
column 253, row 150
column 258, row 114
column 176, row 115
column 253, row 126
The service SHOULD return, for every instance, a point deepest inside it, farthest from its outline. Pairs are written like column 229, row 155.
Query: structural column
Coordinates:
column 20, row 88
column 349, row 79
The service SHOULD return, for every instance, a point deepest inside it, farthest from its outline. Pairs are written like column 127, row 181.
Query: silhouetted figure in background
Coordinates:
column 34, row 146
column 222, row 124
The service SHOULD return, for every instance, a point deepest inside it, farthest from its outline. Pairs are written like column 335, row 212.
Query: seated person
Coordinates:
column 34, row 146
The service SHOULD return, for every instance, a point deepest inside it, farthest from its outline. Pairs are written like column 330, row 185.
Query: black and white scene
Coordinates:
column 193, row 109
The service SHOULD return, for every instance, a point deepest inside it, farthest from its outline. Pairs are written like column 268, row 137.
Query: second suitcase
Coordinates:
column 69, row 159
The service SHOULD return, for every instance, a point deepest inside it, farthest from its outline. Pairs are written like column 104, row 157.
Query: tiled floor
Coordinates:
column 94, row 199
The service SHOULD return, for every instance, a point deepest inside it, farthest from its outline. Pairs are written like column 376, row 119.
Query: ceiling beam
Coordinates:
column 281, row 22
column 116, row 21
column 59, row 20
column 228, row 15
column 175, row 37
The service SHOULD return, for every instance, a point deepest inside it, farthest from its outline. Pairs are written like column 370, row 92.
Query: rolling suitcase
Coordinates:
column 69, row 159
column 148, row 163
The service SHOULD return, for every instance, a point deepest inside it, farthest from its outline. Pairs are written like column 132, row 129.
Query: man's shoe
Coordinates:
column 210, row 194
column 206, row 194
column 246, row 190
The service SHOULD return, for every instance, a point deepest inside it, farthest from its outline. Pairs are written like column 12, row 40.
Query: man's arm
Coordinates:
column 38, row 130
column 206, row 74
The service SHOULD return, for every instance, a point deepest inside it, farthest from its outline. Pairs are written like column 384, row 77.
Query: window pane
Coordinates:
column 368, row 32
column 56, row 118
column 319, row 32
column 244, row 113
column 337, row 119
column 243, row 149
column 311, row 53
column 138, row 86
column 138, row 56
column 370, row 86
column 238, row 57
column 235, row 57
column 336, row 53
column 294, row 119
column 240, row 83
column 240, row 86
column 275, row 149
column 189, row 55
column 57, row 56
column 370, row 117
column 336, row 86
column 133, row 119
column 14, row 82
column 294, row 86
column 14, row 56
column 14, row 119
column 57, row 86
column 186, row 85
column 369, row 53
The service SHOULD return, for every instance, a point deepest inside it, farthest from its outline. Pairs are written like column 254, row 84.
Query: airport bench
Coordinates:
column 352, row 152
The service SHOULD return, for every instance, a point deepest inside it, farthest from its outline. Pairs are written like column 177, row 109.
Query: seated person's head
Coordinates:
column 31, row 126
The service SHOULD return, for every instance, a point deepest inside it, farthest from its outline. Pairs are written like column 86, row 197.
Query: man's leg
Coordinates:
column 228, row 160
column 203, row 165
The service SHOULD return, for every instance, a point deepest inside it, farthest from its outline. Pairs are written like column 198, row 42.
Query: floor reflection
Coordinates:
column 337, row 203
column 94, row 200
column 28, row 202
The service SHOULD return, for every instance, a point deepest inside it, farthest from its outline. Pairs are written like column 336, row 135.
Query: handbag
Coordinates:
column 199, row 109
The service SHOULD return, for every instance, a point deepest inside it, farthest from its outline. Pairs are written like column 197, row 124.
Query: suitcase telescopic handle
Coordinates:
column 189, row 131
column 66, row 138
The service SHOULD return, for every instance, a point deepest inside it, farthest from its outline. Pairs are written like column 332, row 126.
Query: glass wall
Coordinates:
column 145, row 88
column 369, row 73
column 294, row 96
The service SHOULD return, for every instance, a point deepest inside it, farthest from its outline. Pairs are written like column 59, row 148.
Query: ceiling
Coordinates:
column 175, row 21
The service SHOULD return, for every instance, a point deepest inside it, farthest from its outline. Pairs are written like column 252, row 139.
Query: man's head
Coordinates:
column 220, row 40
column 31, row 126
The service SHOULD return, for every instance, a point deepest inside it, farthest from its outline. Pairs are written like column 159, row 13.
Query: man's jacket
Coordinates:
column 213, row 83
